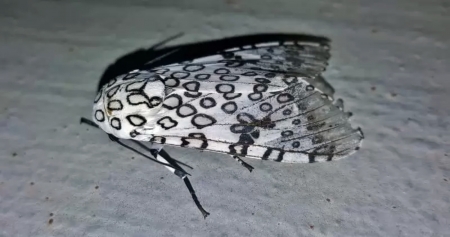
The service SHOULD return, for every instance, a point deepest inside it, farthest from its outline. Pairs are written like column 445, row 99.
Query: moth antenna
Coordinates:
column 159, row 44
column 90, row 123
column 161, row 57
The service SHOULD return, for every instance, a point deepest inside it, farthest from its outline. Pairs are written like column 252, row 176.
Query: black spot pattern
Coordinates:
column 112, row 82
column 186, row 110
column 192, row 94
column 171, row 82
column 167, row 122
column 255, row 96
column 250, row 74
column 270, row 75
column 221, row 71
column 296, row 144
column 153, row 78
column 287, row 112
column 290, row 80
column 243, row 149
column 265, row 107
column 112, row 91
column 202, row 120
column 225, row 88
column 155, row 101
column 287, row 133
column 248, row 127
column 231, row 96
column 193, row 67
column 172, row 102
column 115, row 105
column 115, row 123
column 98, row 96
column 141, row 98
column 285, row 98
column 269, row 151
column 234, row 64
column 135, row 86
column 260, row 88
column 158, row 139
column 192, row 86
column 180, row 75
column 229, row 78
column 262, row 80
column 296, row 122
column 245, row 139
column 317, row 139
column 195, row 136
column 130, row 76
column 229, row 107
column 134, row 133
column 309, row 88
column 136, row 120
column 241, row 128
column 207, row 103
column 202, row 76
column 99, row 115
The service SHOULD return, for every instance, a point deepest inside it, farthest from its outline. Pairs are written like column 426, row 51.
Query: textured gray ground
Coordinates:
column 390, row 64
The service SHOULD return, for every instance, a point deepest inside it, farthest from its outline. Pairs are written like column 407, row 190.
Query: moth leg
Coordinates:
column 249, row 167
column 183, row 176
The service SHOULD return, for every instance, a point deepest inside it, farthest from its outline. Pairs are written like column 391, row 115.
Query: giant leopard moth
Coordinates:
column 257, row 96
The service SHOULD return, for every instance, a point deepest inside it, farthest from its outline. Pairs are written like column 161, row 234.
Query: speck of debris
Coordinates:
column 253, row 213
column 328, row 200
column 374, row 31
column 132, row 157
column 394, row 207
column 162, row 178
column 445, row 179
column 14, row 154
column 50, row 221
column 96, row 187
column 393, row 94
column 31, row 183
column 445, row 154
column 46, row 198
column 93, row 215
column 312, row 227
column 373, row 88
column 51, row 213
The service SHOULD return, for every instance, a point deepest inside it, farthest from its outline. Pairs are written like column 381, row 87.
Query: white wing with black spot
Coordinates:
column 256, row 101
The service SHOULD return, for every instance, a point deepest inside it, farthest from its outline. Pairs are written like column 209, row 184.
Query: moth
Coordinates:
column 255, row 96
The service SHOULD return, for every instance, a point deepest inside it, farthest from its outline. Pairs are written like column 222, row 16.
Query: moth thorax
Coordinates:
column 132, row 105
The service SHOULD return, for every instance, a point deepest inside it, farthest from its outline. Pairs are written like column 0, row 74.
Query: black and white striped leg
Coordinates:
column 249, row 167
column 168, row 160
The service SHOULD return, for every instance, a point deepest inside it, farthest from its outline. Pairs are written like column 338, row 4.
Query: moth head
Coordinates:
column 125, row 108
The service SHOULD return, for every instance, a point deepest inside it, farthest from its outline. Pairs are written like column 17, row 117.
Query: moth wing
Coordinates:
column 299, row 124
column 245, row 66
column 257, row 101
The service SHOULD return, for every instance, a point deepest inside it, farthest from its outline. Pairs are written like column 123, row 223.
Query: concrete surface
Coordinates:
column 390, row 64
